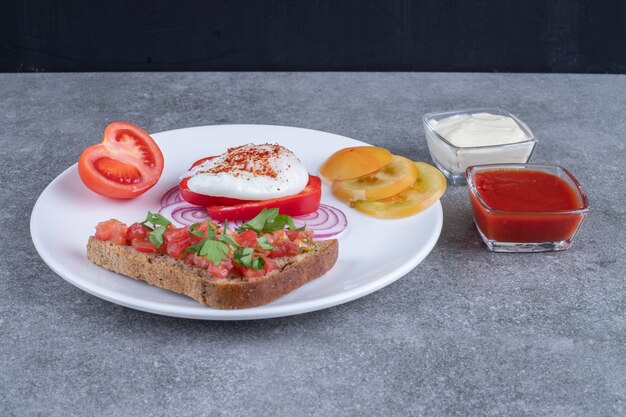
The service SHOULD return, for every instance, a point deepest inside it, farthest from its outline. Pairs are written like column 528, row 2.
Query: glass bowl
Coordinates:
column 526, row 230
column 453, row 160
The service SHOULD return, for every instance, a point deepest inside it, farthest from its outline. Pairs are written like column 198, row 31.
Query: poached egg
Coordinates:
column 250, row 172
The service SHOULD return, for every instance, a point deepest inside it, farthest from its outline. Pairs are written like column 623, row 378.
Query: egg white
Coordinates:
column 292, row 177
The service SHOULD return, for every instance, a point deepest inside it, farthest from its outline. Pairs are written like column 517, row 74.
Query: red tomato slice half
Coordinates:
column 307, row 201
column 125, row 164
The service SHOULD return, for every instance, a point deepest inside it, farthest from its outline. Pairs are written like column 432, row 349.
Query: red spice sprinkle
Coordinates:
column 252, row 159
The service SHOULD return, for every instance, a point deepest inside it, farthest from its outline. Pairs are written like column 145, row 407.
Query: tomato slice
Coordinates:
column 429, row 187
column 354, row 162
column 305, row 202
column 397, row 175
column 125, row 164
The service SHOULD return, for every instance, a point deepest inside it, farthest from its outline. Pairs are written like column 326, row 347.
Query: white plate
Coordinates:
column 373, row 253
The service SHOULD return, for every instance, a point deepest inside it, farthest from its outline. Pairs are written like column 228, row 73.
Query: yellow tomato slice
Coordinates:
column 429, row 187
column 354, row 162
column 400, row 173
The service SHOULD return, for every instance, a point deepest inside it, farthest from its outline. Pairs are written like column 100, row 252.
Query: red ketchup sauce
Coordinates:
column 525, row 205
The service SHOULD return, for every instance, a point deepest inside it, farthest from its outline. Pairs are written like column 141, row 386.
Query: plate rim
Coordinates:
column 257, row 313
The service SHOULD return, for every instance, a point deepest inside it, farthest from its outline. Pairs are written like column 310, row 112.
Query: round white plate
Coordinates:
column 373, row 253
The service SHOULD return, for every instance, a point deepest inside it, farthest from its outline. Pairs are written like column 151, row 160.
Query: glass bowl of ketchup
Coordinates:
column 526, row 207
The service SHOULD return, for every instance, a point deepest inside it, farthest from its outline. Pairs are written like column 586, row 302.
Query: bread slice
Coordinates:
column 232, row 292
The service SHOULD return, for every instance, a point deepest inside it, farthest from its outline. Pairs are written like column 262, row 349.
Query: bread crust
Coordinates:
column 228, row 293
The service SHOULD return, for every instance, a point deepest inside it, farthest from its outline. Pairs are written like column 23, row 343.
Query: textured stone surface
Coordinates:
column 467, row 332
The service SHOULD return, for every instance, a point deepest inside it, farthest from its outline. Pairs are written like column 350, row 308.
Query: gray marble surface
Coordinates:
column 467, row 332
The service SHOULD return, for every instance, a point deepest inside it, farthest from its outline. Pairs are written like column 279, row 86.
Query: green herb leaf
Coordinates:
column 258, row 223
column 279, row 223
column 156, row 220
column 262, row 241
column 214, row 250
column 257, row 263
column 244, row 257
column 193, row 231
column 268, row 220
column 227, row 239
column 156, row 236
column 194, row 248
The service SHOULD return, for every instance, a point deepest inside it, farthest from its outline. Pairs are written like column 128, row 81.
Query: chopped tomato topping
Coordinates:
column 201, row 261
column 286, row 248
column 190, row 259
column 277, row 237
column 176, row 234
column 199, row 228
column 137, row 231
column 222, row 270
column 176, row 249
column 217, row 271
column 112, row 230
column 178, row 240
column 247, row 238
column 299, row 234
column 143, row 246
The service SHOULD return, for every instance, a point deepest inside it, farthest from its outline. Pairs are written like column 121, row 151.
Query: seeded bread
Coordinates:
column 232, row 292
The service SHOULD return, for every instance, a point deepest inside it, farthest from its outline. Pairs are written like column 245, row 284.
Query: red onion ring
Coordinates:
column 184, row 213
column 171, row 196
column 334, row 222
column 313, row 220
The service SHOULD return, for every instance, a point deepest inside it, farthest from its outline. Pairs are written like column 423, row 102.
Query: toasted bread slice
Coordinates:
column 232, row 292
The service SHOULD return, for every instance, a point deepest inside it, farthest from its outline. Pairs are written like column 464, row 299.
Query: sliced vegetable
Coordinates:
column 171, row 196
column 327, row 222
column 354, row 162
column 125, row 164
column 184, row 213
column 396, row 176
column 429, row 187
column 307, row 201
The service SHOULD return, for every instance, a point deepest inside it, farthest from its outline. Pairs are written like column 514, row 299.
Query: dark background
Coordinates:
column 385, row 35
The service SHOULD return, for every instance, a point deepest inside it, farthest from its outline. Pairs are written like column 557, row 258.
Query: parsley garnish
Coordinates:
column 243, row 256
column 262, row 241
column 268, row 220
column 215, row 247
column 227, row 239
column 214, row 250
column 156, row 236
column 159, row 225
column 156, row 220
column 258, row 223
column 193, row 231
